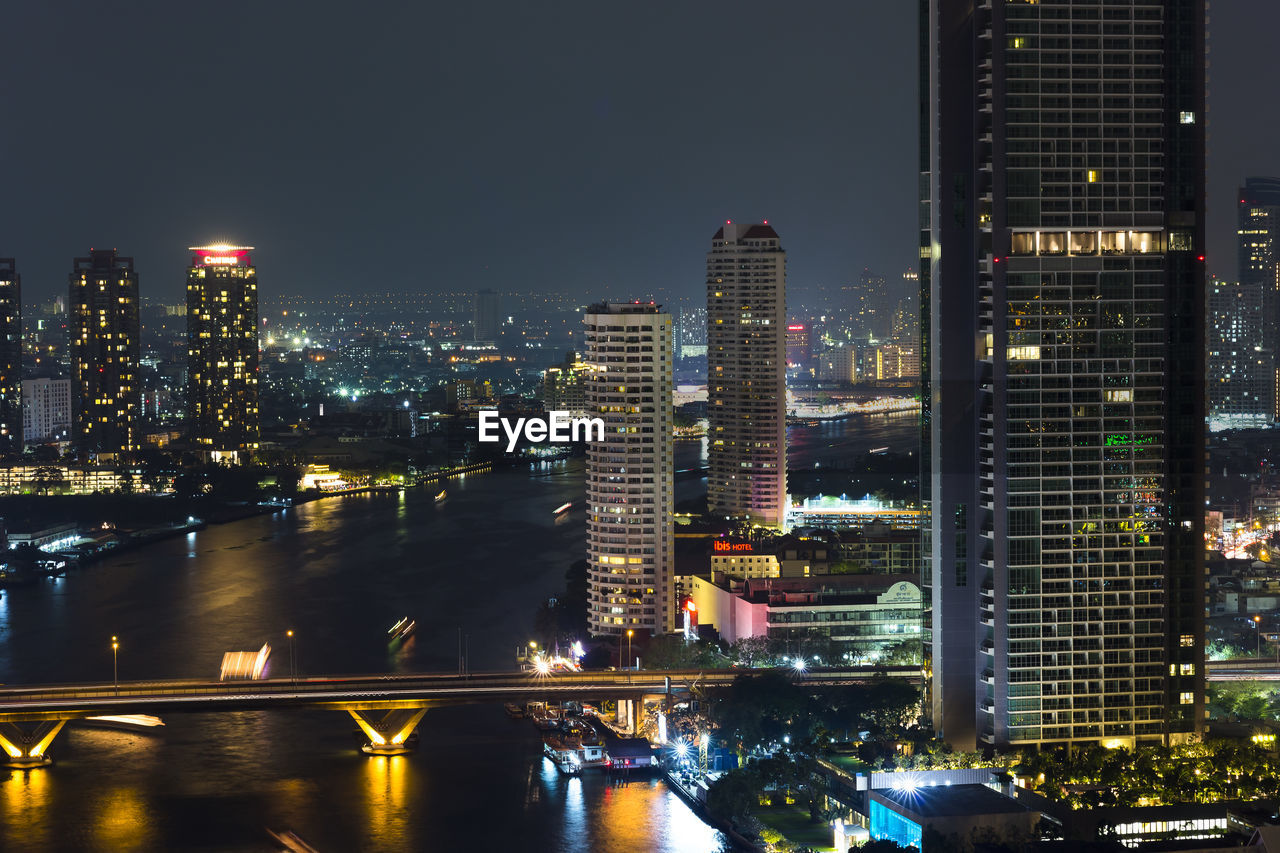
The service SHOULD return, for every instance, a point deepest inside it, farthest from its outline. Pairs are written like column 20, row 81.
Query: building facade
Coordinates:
column 1258, row 215
column 10, row 357
column 485, row 322
column 564, row 387
column 1241, row 368
column 630, row 487
column 861, row 616
column 222, row 350
column 46, row 410
column 104, row 329
column 746, row 374
column 1063, row 155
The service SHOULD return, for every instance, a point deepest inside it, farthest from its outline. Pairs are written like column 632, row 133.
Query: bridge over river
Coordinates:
column 386, row 707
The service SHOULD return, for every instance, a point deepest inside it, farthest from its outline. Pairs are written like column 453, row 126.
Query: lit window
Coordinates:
column 1187, row 117
column 1187, row 640
column 1187, row 698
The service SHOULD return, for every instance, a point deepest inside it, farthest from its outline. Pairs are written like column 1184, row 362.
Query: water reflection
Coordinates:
column 339, row 572
column 387, row 823
column 122, row 821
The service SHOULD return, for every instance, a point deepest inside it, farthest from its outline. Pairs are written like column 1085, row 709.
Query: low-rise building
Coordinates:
column 862, row 615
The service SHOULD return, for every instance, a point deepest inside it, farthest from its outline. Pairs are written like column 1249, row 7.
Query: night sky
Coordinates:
column 589, row 148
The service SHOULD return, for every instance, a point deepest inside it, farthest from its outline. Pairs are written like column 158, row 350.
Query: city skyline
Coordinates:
column 347, row 212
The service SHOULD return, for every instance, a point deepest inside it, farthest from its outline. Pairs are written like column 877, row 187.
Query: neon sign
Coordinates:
column 220, row 259
column 722, row 546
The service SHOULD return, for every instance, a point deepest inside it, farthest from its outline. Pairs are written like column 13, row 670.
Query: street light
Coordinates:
column 1257, row 624
column 115, row 662
column 293, row 671
column 629, row 633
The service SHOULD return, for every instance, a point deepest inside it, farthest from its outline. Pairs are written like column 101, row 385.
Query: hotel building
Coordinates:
column 630, row 491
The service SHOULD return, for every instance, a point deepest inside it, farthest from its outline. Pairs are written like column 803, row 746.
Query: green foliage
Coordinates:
column 669, row 651
column 760, row 710
column 1092, row 776
column 886, row 846
column 735, row 794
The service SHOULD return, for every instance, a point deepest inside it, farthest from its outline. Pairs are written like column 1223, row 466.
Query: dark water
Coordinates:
column 338, row 572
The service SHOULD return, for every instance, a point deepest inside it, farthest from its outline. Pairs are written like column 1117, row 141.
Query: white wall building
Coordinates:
column 630, row 494
column 747, row 374
column 46, row 410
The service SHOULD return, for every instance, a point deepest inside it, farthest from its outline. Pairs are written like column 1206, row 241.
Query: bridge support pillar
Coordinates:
column 627, row 715
column 25, row 743
column 389, row 733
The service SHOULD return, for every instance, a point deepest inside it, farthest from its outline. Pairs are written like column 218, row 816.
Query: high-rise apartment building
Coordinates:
column 1258, row 234
column 222, row 350
column 869, row 305
column 1062, row 166
column 799, row 350
column 746, row 374
column 484, row 316
column 1240, row 370
column 104, row 329
column 564, row 387
column 630, row 490
column 10, row 357
column 46, row 410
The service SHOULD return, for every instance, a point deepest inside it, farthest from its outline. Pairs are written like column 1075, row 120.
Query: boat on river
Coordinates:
column 402, row 630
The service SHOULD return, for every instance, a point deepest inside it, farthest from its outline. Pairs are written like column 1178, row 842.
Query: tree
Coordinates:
column 674, row 652
column 759, row 710
column 734, row 794
column 886, row 846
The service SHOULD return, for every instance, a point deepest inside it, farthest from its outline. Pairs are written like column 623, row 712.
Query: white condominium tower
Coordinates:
column 746, row 374
column 629, row 475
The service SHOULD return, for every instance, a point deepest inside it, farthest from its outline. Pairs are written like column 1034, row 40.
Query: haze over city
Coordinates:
column 678, row 427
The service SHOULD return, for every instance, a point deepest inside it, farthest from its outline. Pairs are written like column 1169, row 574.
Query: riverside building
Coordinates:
column 630, row 491
column 746, row 375
column 1062, row 172
column 104, row 329
column 10, row 357
column 222, row 350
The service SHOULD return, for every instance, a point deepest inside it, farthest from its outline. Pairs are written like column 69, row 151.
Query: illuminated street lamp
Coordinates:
column 115, row 663
column 629, row 633
column 1257, row 623
column 798, row 664
column 293, row 671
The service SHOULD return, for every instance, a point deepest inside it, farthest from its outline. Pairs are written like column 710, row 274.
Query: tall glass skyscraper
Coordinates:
column 1062, row 166
column 747, row 374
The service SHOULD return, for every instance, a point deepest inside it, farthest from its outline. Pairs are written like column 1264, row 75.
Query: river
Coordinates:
column 337, row 572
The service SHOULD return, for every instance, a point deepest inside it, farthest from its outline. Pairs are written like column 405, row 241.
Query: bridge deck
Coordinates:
column 375, row 691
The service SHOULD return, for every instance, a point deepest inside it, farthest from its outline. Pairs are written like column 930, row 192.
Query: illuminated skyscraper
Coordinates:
column 10, row 357
column 630, row 489
column 1063, row 152
column 1244, row 347
column 746, row 374
column 222, row 350
column 103, row 325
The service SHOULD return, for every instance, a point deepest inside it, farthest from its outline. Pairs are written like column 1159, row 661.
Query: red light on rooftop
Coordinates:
column 1201, row 258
